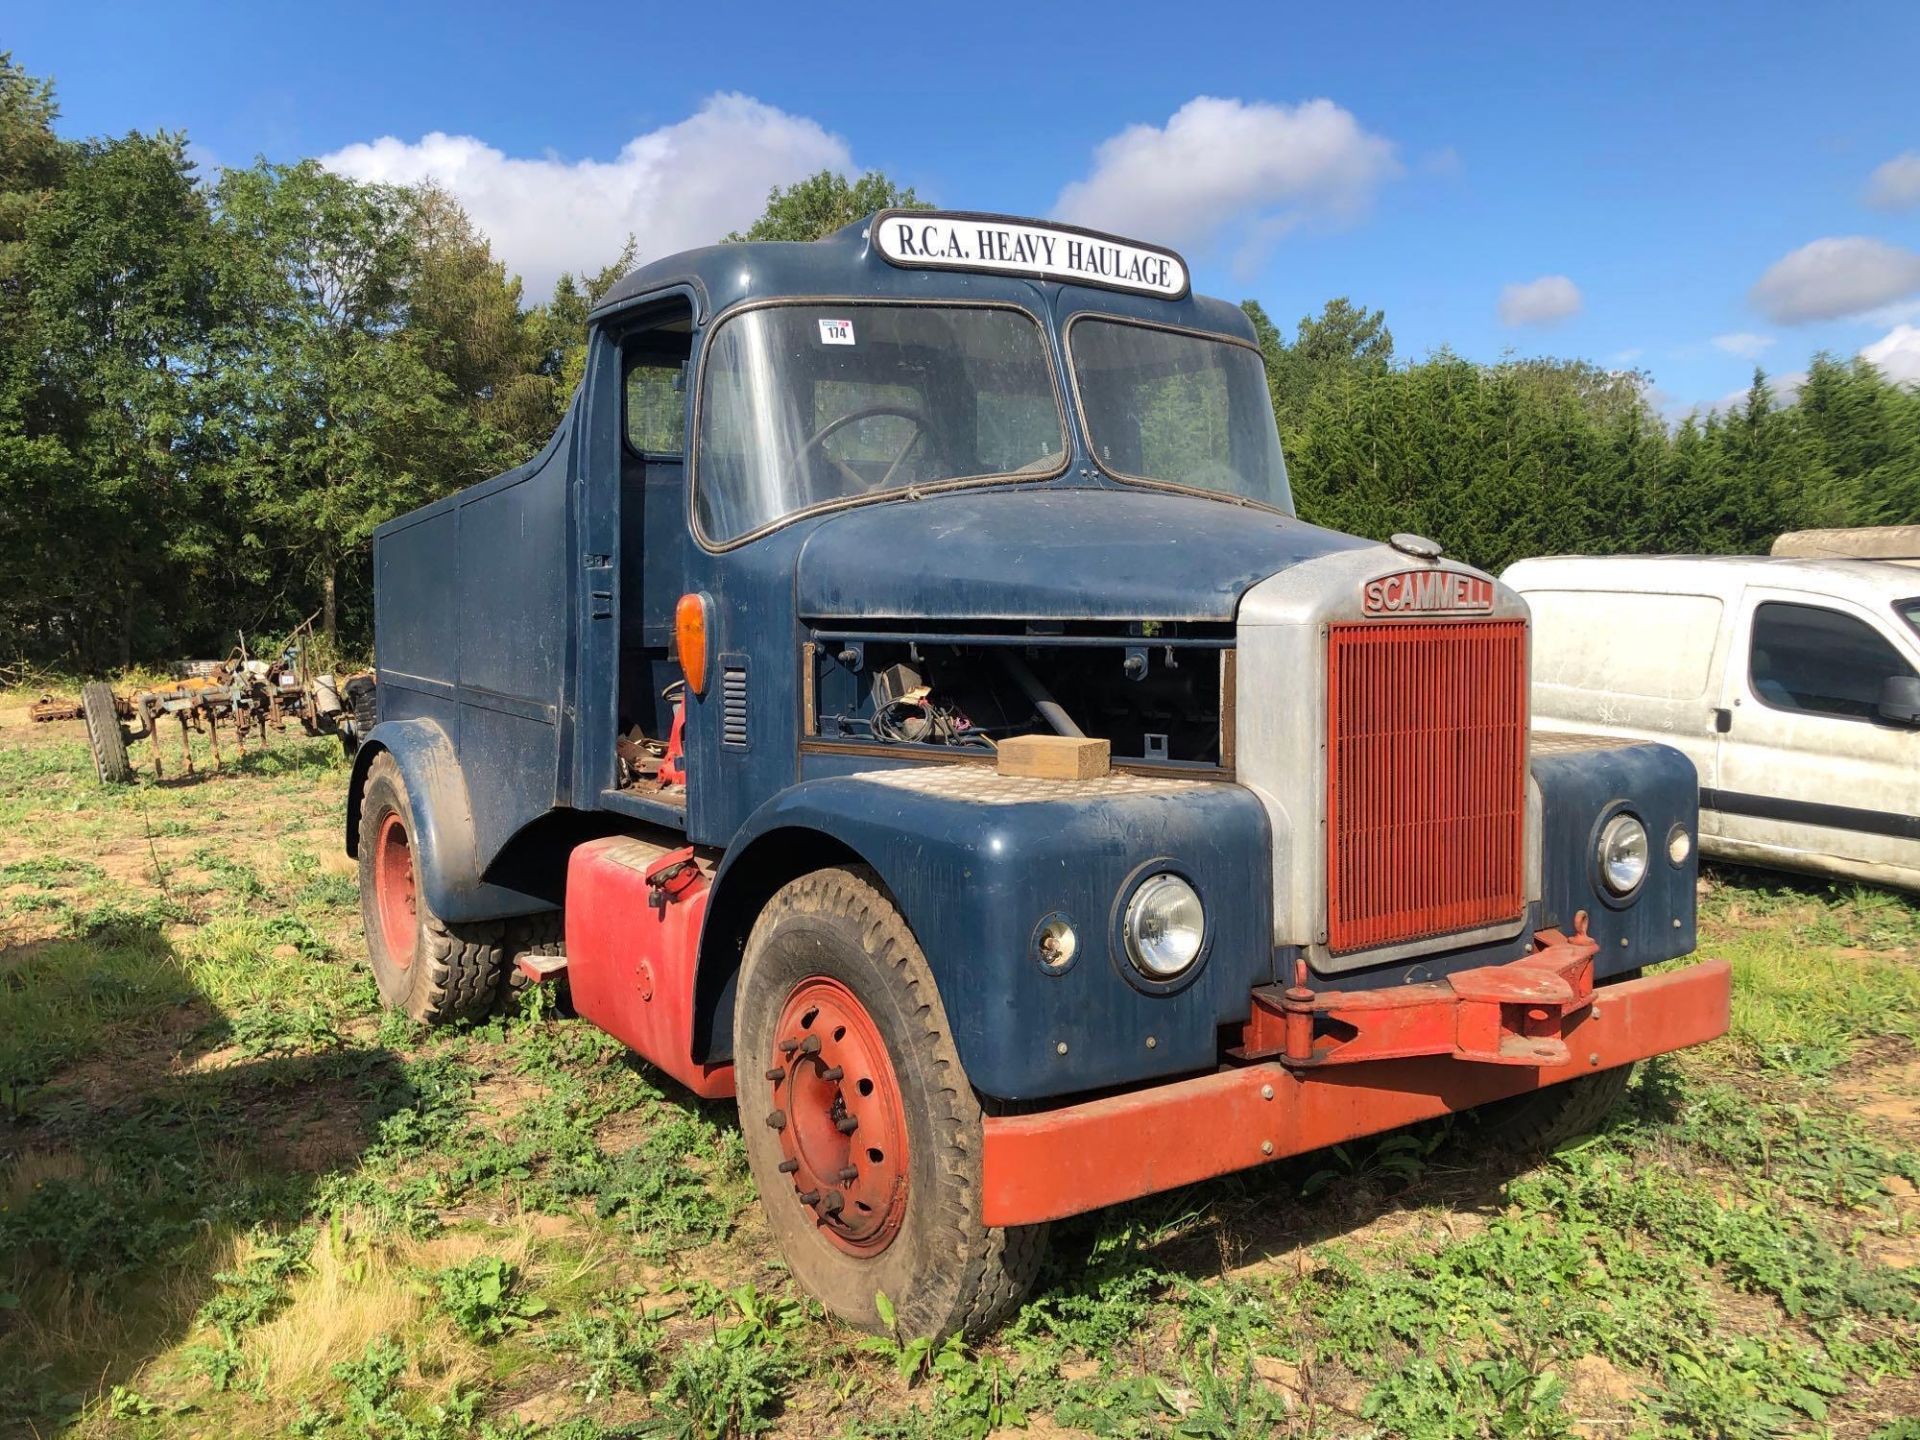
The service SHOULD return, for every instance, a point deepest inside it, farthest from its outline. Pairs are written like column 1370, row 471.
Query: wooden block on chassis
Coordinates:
column 1055, row 757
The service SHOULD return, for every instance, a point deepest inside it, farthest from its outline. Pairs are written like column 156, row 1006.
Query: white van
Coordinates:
column 1793, row 686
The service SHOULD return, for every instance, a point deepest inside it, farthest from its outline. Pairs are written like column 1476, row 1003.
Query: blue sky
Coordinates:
column 1677, row 188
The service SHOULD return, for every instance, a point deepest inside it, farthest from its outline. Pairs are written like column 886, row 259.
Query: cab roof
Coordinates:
column 849, row 265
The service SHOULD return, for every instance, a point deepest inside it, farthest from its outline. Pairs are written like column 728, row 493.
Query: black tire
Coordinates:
column 1545, row 1118
column 539, row 935
column 942, row 1269
column 434, row 970
column 104, row 735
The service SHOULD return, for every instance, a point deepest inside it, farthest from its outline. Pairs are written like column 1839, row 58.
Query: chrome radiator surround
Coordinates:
column 1281, row 739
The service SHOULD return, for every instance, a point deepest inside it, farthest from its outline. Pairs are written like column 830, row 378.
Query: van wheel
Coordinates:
column 434, row 970
column 862, row 1131
column 1555, row 1115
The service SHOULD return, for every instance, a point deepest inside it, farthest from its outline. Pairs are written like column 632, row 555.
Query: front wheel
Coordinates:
column 862, row 1131
column 433, row 970
column 1559, row 1113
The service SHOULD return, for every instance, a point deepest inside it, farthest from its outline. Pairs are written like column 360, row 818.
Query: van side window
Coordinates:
column 1819, row 662
column 656, row 405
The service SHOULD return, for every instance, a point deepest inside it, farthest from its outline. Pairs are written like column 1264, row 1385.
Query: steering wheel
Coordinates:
column 921, row 426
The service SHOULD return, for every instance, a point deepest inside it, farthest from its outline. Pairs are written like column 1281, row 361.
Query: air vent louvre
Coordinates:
column 733, row 701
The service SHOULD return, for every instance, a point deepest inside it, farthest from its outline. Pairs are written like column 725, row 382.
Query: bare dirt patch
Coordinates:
column 1889, row 1093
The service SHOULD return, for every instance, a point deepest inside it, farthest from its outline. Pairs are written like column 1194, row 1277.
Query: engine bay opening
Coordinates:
column 1161, row 696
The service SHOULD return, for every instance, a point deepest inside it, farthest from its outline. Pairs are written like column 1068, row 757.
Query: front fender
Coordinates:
column 976, row 863
column 443, row 834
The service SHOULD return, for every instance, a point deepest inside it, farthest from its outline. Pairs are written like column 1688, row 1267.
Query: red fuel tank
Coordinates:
column 633, row 934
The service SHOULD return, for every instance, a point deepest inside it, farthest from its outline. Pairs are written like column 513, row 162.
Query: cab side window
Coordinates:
column 656, row 405
column 1815, row 661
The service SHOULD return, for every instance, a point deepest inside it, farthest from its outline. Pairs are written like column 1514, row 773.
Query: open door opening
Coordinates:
column 653, row 551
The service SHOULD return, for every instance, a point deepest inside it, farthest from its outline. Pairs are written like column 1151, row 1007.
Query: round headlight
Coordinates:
column 1623, row 854
column 1165, row 926
column 1679, row 844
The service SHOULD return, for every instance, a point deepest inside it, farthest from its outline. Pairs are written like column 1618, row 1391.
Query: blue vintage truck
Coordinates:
column 901, row 696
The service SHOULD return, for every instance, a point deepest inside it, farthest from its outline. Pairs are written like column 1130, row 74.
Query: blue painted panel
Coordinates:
column 975, row 880
column 512, row 570
column 471, row 634
column 415, row 629
column 1581, row 788
column 1049, row 552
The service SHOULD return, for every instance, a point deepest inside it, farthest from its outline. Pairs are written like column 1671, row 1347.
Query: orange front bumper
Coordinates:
column 1055, row 1163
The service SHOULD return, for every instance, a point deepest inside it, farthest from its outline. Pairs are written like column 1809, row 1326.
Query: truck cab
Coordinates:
column 901, row 696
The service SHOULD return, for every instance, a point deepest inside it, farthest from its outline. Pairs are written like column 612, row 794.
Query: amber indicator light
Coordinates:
column 690, row 640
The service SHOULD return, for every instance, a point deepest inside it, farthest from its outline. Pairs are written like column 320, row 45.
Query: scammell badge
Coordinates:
column 1427, row 592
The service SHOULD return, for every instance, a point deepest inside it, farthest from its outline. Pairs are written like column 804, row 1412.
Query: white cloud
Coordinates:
column 1786, row 388
column 1744, row 343
column 1836, row 277
column 1231, row 163
column 681, row 185
column 1897, row 354
column 1545, row 301
column 1896, row 184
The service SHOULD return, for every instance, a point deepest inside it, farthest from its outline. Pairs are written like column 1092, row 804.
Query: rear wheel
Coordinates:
column 104, row 735
column 434, row 970
column 862, row 1131
column 532, row 937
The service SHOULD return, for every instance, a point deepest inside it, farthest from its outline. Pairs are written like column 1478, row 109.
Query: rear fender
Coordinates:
column 443, row 838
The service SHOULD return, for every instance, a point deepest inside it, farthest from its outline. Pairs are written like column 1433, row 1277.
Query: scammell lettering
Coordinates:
column 909, row 779
column 1427, row 592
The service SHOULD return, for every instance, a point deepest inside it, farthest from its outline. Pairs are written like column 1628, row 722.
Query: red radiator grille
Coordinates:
column 1426, row 778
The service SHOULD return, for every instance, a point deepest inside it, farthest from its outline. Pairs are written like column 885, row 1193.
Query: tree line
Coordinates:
column 1549, row 457
column 212, row 389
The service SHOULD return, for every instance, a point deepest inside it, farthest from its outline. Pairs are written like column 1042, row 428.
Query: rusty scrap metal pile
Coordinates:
column 245, row 696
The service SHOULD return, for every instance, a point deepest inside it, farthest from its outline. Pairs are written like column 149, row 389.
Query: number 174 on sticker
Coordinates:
column 836, row 332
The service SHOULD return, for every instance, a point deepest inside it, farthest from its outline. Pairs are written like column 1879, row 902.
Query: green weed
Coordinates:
column 484, row 1298
column 733, row 1382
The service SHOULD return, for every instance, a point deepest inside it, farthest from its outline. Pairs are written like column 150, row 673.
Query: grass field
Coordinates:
column 236, row 1199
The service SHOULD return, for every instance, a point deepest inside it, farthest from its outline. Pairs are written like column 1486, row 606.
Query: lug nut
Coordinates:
column 787, row 1047
column 810, row 1045
column 832, row 1203
column 789, row 1167
column 809, row 1197
column 777, row 1119
column 847, row 1124
column 847, row 1175
column 777, row 1074
column 832, row 1072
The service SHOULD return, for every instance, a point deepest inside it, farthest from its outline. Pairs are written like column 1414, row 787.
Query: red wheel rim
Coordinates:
column 837, row 1108
column 393, row 889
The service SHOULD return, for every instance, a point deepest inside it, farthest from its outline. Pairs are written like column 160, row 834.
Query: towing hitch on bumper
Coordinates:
column 1323, row 1069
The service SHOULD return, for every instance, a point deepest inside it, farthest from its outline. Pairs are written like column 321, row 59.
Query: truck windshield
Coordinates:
column 821, row 404
column 1175, row 408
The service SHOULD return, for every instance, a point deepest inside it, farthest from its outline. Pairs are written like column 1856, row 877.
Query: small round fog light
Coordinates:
column 1165, row 927
column 1623, row 854
column 1679, row 844
column 1055, row 944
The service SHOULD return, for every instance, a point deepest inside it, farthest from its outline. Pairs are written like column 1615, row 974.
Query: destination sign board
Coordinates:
column 932, row 239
